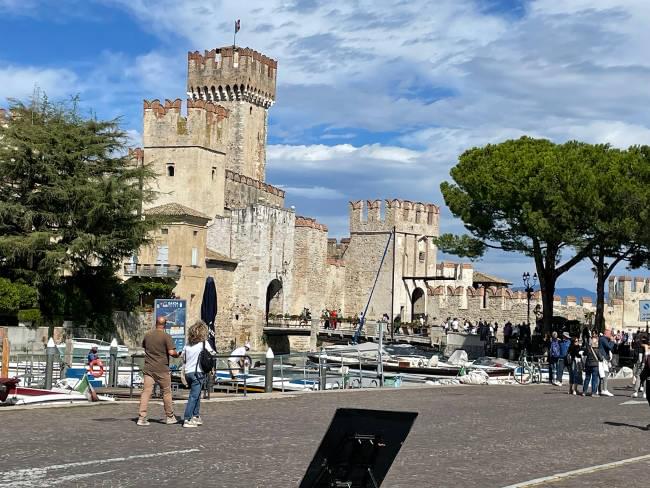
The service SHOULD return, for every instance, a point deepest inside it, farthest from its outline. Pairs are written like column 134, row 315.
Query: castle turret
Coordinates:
column 243, row 81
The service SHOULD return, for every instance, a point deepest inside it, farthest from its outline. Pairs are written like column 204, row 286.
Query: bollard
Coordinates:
column 112, row 371
column 49, row 363
column 322, row 370
column 268, row 372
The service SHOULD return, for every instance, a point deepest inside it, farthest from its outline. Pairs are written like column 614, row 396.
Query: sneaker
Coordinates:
column 595, row 394
column 635, row 395
column 607, row 394
column 171, row 420
column 189, row 424
column 574, row 392
column 142, row 421
column 197, row 420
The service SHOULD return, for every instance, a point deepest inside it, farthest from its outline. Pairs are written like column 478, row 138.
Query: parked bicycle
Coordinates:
column 528, row 371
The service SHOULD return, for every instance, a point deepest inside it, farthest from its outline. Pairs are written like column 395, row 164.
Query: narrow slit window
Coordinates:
column 170, row 170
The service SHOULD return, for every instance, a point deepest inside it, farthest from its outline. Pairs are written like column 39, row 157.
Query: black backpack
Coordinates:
column 205, row 360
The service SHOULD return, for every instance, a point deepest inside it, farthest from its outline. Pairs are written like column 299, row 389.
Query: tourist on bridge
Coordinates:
column 238, row 360
column 158, row 348
column 194, row 374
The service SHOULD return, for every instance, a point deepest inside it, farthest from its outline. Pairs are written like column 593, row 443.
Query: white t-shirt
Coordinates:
column 191, row 354
column 240, row 351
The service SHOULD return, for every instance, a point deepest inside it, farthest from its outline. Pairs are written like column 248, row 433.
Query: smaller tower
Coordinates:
column 243, row 81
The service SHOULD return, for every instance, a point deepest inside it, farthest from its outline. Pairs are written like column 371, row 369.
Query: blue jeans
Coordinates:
column 591, row 373
column 195, row 381
column 552, row 367
column 560, row 370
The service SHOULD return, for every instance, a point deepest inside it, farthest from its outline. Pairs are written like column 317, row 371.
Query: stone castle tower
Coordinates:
column 242, row 81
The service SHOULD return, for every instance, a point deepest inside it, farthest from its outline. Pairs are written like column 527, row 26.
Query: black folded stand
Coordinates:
column 358, row 448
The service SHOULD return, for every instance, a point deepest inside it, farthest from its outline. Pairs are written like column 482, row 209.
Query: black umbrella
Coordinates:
column 209, row 309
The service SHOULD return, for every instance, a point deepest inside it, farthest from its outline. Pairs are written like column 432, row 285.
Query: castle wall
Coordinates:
column 625, row 292
column 262, row 240
column 191, row 146
column 242, row 191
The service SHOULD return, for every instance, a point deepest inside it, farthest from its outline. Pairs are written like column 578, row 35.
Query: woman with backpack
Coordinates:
column 197, row 365
column 592, row 358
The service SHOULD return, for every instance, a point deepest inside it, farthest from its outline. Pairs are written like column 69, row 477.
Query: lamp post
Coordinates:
column 529, row 289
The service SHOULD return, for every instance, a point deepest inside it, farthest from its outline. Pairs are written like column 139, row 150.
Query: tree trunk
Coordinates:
column 548, row 292
column 601, row 276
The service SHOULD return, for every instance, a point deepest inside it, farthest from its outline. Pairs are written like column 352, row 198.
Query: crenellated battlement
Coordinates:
column 232, row 74
column 204, row 125
column 310, row 223
column 627, row 286
column 242, row 191
column 383, row 215
column 335, row 249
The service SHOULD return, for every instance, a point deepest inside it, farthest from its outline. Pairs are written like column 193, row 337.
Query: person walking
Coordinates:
column 565, row 343
column 194, row 374
column 645, row 373
column 158, row 348
column 605, row 347
column 592, row 358
column 574, row 364
column 553, row 358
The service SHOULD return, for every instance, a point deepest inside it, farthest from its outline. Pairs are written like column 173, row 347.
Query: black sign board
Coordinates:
column 358, row 448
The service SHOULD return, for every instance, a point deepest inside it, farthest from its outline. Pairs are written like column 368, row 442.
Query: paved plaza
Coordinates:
column 471, row 436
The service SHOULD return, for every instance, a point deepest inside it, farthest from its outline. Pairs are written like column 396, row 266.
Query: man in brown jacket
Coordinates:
column 158, row 347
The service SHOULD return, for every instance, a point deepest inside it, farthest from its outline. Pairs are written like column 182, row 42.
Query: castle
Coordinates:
column 220, row 219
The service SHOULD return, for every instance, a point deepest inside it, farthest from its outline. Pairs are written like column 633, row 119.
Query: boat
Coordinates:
column 82, row 346
column 11, row 393
column 365, row 356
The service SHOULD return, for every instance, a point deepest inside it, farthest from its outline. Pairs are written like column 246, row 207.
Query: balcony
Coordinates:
column 153, row 270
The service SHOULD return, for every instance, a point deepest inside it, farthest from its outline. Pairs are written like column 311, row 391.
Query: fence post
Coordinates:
column 268, row 372
column 323, row 370
column 5, row 358
column 112, row 379
column 49, row 363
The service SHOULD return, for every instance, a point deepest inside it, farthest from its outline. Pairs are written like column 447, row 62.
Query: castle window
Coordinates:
column 196, row 233
column 250, row 110
column 164, row 231
column 195, row 256
column 170, row 170
column 421, row 256
column 214, row 172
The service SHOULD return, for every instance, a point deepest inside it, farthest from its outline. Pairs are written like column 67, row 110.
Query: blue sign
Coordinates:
column 175, row 312
column 644, row 310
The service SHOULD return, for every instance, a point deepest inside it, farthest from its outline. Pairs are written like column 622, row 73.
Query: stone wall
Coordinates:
column 242, row 191
column 261, row 239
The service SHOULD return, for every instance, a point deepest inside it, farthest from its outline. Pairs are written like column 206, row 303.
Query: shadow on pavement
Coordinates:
column 623, row 424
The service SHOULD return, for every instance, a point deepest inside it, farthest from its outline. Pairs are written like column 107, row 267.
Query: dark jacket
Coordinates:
column 564, row 347
column 605, row 346
column 645, row 374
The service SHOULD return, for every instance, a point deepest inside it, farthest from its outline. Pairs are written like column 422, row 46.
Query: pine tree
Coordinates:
column 70, row 200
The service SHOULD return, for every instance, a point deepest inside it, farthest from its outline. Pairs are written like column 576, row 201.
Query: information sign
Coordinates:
column 644, row 310
column 175, row 312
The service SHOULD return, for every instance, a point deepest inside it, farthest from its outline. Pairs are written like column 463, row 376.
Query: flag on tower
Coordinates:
column 237, row 26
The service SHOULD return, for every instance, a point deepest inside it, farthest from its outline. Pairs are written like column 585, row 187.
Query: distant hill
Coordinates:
column 576, row 292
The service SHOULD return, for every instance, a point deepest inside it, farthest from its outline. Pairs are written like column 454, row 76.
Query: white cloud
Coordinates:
column 313, row 192
column 341, row 157
column 21, row 81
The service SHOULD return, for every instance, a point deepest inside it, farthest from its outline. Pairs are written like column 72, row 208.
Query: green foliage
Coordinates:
column 143, row 291
column 15, row 296
column 529, row 196
column 463, row 246
column 32, row 315
column 70, row 203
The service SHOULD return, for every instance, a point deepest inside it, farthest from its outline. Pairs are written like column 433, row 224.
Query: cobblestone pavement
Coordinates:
column 490, row 436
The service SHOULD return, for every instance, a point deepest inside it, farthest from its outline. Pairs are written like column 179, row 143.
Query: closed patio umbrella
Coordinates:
column 209, row 309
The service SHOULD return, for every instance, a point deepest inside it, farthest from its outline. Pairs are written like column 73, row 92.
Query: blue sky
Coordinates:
column 376, row 99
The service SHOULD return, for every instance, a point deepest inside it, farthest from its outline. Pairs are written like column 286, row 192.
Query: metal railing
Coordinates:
column 163, row 270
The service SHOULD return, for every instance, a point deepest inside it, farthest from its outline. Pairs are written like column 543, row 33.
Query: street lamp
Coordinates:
column 529, row 288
